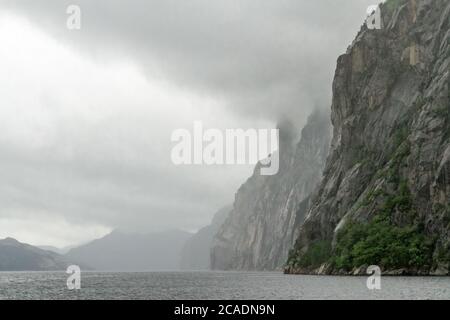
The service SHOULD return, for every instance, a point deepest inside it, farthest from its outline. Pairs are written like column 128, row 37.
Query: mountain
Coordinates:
column 197, row 250
column 385, row 196
column 63, row 250
column 259, row 231
column 17, row 256
column 119, row 251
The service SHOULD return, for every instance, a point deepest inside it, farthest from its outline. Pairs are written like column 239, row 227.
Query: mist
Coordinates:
column 87, row 114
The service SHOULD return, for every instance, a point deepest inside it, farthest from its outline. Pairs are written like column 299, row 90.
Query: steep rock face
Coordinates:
column 259, row 232
column 196, row 251
column 385, row 195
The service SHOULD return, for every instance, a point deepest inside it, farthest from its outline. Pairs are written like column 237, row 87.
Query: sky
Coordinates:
column 87, row 115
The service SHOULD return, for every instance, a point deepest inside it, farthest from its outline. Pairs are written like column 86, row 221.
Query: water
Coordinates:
column 215, row 285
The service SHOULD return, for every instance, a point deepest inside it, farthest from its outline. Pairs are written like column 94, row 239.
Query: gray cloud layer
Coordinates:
column 262, row 59
column 266, row 58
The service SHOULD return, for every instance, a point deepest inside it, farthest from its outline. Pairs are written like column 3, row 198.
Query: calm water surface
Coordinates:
column 214, row 285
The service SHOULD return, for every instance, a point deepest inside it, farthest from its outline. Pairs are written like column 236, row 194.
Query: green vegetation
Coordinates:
column 391, row 5
column 447, row 216
column 400, row 135
column 363, row 156
column 443, row 250
column 402, row 151
column 358, row 154
column 441, row 112
column 317, row 254
column 443, row 254
column 394, row 238
column 393, row 172
column 442, row 210
column 381, row 243
column 370, row 198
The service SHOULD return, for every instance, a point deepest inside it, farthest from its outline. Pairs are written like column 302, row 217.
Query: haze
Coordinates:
column 87, row 115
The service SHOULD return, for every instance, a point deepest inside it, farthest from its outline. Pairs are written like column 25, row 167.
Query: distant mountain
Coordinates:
column 197, row 250
column 119, row 251
column 63, row 250
column 17, row 256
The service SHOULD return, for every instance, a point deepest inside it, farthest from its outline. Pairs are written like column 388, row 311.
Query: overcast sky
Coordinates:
column 87, row 115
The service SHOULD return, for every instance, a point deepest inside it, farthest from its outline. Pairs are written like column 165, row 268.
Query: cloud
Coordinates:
column 87, row 115
column 265, row 58
column 90, row 143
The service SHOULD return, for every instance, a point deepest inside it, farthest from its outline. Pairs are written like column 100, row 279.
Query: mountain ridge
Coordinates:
column 118, row 251
column 18, row 256
column 196, row 254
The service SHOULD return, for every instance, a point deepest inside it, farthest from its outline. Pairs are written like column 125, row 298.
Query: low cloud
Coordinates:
column 87, row 115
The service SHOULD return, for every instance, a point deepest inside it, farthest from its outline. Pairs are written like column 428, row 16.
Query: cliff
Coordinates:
column 196, row 251
column 259, row 231
column 385, row 196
